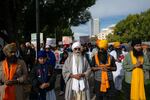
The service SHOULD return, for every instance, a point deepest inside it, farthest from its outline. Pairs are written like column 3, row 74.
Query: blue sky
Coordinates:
column 110, row 12
column 107, row 21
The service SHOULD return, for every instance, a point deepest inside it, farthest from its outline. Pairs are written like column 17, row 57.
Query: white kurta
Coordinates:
column 67, row 70
column 118, row 74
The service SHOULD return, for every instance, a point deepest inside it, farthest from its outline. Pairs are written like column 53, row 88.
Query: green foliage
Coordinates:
column 56, row 16
column 134, row 26
column 82, row 18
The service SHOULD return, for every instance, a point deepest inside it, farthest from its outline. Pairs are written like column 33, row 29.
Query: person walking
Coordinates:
column 62, row 82
column 29, row 56
column 102, row 65
column 135, row 64
column 76, row 71
column 13, row 73
column 118, row 74
column 51, row 59
column 43, row 79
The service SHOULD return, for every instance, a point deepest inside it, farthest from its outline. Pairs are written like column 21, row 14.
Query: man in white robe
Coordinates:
column 75, row 72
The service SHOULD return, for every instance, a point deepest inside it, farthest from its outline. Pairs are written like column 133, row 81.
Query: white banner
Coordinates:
column 34, row 38
column 60, row 43
column 51, row 42
column 67, row 39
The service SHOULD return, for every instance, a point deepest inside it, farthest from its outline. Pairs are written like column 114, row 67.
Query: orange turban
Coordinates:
column 102, row 44
column 116, row 44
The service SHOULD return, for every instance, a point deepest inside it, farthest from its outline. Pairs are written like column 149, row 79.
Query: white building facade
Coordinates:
column 105, row 32
column 95, row 26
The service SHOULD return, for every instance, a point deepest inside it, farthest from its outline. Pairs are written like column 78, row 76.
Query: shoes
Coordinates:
column 61, row 93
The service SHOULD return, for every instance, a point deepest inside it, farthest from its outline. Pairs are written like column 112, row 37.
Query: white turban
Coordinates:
column 76, row 44
column 47, row 46
column 27, row 43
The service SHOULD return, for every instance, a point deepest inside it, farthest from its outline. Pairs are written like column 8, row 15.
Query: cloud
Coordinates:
column 84, row 29
column 105, row 8
column 110, row 8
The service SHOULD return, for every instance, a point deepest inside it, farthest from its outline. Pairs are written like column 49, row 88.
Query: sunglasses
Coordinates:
column 77, row 49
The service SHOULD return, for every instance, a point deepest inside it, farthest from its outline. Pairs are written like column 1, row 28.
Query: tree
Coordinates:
column 18, row 17
column 10, row 18
column 134, row 26
column 58, row 13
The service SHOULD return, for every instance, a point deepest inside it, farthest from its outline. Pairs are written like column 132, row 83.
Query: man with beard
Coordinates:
column 13, row 73
column 117, row 75
column 103, row 64
column 75, row 72
column 135, row 64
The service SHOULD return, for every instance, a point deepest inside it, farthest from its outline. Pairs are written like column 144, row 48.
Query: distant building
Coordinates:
column 103, row 34
column 95, row 26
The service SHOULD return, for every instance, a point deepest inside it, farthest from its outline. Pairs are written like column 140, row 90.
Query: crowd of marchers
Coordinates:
column 117, row 71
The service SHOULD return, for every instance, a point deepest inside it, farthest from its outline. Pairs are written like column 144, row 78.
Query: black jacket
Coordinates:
column 36, row 81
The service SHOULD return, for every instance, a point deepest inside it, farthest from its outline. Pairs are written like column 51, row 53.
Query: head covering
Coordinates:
column 28, row 44
column 41, row 53
column 76, row 44
column 47, row 46
column 97, row 41
column 116, row 44
column 9, row 48
column 135, row 41
column 102, row 44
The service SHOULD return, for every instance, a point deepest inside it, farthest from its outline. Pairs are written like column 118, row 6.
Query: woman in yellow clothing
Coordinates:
column 135, row 64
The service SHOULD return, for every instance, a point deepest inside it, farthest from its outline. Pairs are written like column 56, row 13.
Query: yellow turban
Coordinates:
column 102, row 44
column 116, row 44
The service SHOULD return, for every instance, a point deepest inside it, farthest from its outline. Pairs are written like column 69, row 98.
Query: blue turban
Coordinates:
column 41, row 53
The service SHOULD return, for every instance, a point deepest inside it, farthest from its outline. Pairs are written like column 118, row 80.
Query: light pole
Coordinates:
column 37, row 25
column 37, row 28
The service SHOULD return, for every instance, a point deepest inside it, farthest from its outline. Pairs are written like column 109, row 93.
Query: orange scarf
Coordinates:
column 104, row 76
column 137, row 82
column 9, row 74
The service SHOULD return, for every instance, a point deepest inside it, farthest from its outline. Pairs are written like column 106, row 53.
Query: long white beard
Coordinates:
column 77, row 69
column 77, row 58
column 77, row 54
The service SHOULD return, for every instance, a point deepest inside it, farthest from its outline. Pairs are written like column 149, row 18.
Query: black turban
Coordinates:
column 135, row 41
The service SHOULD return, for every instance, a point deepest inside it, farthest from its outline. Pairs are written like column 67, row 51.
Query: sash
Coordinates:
column 137, row 81
column 9, row 74
column 104, row 75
